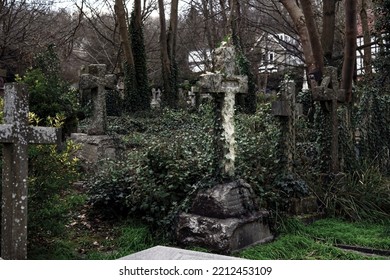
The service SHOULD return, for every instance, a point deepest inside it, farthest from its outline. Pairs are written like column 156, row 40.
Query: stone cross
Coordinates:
column 224, row 84
column 286, row 110
column 330, row 94
column 15, row 135
column 97, row 81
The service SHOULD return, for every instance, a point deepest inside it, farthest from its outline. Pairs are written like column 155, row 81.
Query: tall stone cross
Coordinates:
column 224, row 84
column 15, row 135
column 97, row 81
column 286, row 110
column 330, row 93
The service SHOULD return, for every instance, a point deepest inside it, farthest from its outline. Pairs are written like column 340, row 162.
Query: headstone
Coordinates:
column 224, row 219
column 96, row 148
column 192, row 99
column 96, row 80
column 156, row 98
column 15, row 135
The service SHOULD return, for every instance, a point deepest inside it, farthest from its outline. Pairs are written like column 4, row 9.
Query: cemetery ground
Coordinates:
column 131, row 204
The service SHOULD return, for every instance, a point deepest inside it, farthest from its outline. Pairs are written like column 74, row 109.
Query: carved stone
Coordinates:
column 224, row 219
column 95, row 148
column 15, row 135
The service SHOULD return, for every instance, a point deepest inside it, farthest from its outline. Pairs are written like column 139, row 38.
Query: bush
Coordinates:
column 361, row 195
column 51, row 175
column 49, row 95
column 173, row 155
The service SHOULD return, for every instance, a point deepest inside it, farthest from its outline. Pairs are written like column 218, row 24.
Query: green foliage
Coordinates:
column 49, row 95
column 316, row 241
column 50, row 176
column 371, row 121
column 156, row 179
column 382, row 63
column 137, row 96
column 256, row 138
column 362, row 195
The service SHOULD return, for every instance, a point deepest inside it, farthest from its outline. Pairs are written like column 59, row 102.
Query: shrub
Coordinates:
column 51, row 174
column 49, row 95
column 362, row 195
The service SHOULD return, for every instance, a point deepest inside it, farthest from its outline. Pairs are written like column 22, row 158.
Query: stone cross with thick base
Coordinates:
column 97, row 81
column 15, row 135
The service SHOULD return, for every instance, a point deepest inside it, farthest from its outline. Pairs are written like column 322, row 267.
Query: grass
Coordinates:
column 316, row 241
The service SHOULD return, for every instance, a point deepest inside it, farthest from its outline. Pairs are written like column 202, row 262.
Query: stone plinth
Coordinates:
column 95, row 148
column 224, row 219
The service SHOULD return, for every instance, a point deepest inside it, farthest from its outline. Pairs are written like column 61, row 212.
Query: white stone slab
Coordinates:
column 169, row 253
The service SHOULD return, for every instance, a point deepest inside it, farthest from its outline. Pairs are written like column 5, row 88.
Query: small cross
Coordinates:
column 15, row 135
column 97, row 81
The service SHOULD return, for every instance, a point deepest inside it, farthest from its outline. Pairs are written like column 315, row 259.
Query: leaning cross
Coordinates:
column 224, row 84
column 330, row 92
column 97, row 81
column 15, row 135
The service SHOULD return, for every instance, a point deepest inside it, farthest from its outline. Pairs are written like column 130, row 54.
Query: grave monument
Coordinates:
column 226, row 217
column 96, row 144
column 16, row 134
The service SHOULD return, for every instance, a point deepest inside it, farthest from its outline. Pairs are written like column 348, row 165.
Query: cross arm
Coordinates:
column 44, row 135
column 88, row 81
column 36, row 134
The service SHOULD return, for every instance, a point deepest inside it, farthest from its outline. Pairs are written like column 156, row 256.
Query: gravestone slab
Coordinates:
column 169, row 253
column 95, row 148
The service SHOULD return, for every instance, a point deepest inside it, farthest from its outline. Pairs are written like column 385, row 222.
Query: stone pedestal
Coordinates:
column 224, row 219
column 95, row 148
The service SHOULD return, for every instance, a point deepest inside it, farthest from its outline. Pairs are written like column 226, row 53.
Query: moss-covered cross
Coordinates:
column 16, row 134
column 224, row 84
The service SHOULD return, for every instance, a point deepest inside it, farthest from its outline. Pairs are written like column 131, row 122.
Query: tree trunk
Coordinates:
column 168, row 49
column 124, row 32
column 300, row 24
column 366, row 38
column 208, row 29
column 328, row 29
column 224, row 17
column 313, row 32
column 349, row 49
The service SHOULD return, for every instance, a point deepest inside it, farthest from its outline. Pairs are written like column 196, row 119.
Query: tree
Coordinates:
column 168, row 53
column 28, row 28
column 350, row 48
column 249, row 100
column 136, row 82
column 382, row 63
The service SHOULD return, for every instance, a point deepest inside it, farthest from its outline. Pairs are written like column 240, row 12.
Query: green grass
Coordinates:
column 300, row 242
column 360, row 234
column 295, row 247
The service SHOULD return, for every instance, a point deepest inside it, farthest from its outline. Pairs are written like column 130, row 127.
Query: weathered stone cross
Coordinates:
column 224, row 84
column 330, row 92
column 97, row 81
column 15, row 135
column 286, row 110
